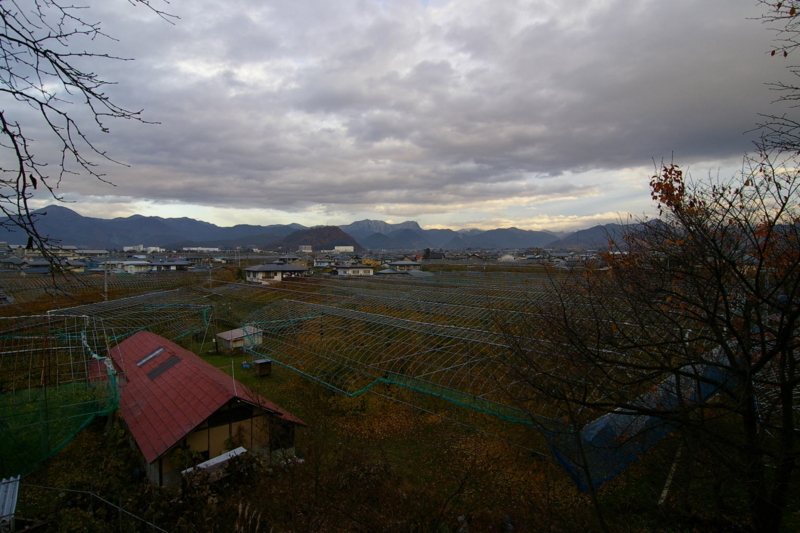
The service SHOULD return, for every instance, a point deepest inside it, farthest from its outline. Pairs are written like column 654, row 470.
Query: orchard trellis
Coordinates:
column 54, row 382
column 55, row 377
column 448, row 336
column 437, row 336
column 443, row 336
column 32, row 288
column 173, row 314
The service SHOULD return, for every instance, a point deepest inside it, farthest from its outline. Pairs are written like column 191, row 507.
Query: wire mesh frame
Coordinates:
column 465, row 367
column 53, row 384
column 351, row 351
column 173, row 314
column 34, row 287
column 352, row 335
column 460, row 313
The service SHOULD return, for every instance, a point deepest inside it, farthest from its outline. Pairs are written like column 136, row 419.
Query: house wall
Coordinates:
column 225, row 344
column 247, row 340
column 264, row 277
column 152, row 470
column 356, row 271
column 404, row 268
column 135, row 269
column 209, row 441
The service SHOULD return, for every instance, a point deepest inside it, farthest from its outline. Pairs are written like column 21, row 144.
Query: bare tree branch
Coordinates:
column 39, row 52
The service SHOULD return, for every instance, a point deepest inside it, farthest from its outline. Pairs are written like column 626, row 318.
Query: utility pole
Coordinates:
column 105, row 280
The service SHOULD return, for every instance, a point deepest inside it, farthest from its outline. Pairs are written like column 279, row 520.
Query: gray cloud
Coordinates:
column 360, row 106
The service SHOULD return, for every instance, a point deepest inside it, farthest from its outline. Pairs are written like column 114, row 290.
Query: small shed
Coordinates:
column 263, row 367
column 239, row 338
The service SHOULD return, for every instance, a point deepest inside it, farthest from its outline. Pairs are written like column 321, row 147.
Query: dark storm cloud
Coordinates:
column 356, row 104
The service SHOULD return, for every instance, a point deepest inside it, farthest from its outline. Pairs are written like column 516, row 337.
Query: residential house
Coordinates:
column 72, row 265
column 353, row 270
column 197, row 260
column 64, row 252
column 91, row 253
column 181, row 410
column 323, row 262
column 35, row 266
column 372, row 261
column 10, row 263
column 170, row 265
column 403, row 266
column 266, row 274
column 130, row 267
column 388, row 272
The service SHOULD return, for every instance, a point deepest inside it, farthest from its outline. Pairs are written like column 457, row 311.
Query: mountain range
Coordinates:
column 67, row 227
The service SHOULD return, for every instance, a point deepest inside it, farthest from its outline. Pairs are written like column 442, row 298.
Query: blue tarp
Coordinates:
column 605, row 447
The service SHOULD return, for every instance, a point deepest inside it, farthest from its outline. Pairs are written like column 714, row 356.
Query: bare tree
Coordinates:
column 48, row 93
column 782, row 131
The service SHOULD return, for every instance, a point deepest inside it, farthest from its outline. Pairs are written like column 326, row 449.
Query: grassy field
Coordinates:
column 390, row 460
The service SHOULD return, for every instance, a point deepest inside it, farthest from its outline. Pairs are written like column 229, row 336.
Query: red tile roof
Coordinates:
column 162, row 400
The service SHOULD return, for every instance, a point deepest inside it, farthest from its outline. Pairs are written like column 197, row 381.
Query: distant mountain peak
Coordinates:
column 318, row 237
column 68, row 227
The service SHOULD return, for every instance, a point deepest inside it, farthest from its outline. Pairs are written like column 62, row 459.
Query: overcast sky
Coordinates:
column 541, row 114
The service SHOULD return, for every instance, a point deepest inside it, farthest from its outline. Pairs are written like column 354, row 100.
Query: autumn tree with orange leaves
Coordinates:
column 706, row 296
column 698, row 308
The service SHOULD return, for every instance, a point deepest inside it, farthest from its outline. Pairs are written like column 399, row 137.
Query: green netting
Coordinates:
column 171, row 314
column 32, row 288
column 52, row 384
column 464, row 399
column 36, row 423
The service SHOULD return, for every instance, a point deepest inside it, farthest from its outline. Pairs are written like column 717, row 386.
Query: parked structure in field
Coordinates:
column 239, row 338
column 181, row 410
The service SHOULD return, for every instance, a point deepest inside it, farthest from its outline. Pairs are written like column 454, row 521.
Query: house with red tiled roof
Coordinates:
column 181, row 410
